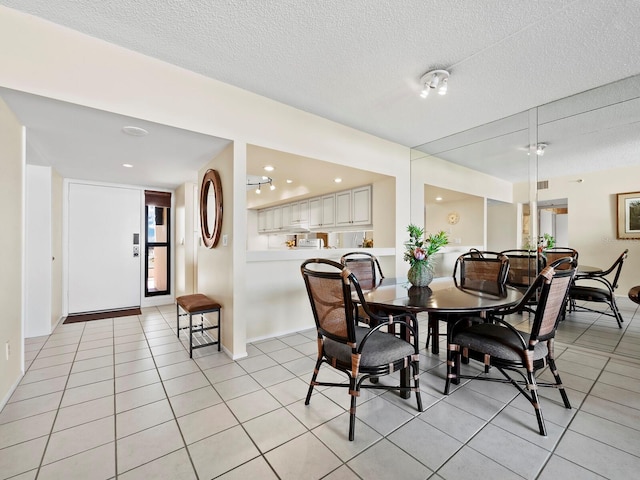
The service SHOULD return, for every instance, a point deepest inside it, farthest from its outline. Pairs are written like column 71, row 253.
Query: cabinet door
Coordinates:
column 304, row 211
column 295, row 212
column 286, row 215
column 277, row 218
column 262, row 220
column 315, row 212
column 329, row 210
column 343, row 208
column 268, row 224
column 361, row 205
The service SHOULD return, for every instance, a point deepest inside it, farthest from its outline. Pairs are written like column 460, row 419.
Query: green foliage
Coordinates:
column 419, row 250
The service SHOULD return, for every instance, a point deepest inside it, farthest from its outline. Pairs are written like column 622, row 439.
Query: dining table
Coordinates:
column 444, row 296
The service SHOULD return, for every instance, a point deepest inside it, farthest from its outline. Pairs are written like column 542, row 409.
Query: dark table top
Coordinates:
column 443, row 295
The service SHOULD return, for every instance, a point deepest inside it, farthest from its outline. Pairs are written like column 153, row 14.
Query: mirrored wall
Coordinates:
column 593, row 131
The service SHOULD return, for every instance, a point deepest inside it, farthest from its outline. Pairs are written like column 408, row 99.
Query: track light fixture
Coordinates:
column 434, row 80
column 540, row 149
column 257, row 181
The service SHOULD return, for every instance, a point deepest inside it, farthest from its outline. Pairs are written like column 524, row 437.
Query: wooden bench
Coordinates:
column 198, row 304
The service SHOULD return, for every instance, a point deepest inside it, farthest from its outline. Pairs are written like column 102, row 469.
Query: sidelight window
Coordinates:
column 157, row 243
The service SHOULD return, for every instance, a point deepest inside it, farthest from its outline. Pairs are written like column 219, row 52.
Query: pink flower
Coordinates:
column 419, row 254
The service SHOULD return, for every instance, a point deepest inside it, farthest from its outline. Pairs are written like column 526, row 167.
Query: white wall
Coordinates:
column 56, row 247
column 216, row 265
column 12, row 154
column 502, row 227
column 53, row 61
column 38, row 254
column 470, row 228
column 184, row 233
column 439, row 173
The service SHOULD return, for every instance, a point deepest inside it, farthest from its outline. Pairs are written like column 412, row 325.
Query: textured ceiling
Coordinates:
column 358, row 62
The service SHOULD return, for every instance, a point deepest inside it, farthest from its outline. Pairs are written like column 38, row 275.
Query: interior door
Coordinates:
column 104, row 269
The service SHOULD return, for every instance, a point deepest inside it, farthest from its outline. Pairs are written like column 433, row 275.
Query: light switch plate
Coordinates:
column 225, row 240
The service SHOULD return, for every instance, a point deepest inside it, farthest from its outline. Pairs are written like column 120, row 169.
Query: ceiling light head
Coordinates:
column 337, row 180
column 435, row 80
column 540, row 149
column 127, row 165
column 269, row 168
column 134, row 131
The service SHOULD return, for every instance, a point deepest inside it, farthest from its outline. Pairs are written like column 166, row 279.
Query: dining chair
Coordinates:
column 524, row 266
column 359, row 352
column 602, row 291
column 364, row 266
column 367, row 270
column 481, row 265
column 499, row 344
column 472, row 265
column 550, row 255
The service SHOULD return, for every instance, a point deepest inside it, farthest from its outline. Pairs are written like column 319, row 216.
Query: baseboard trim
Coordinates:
column 6, row 398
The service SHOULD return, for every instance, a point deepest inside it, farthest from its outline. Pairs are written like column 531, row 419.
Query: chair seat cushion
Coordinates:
column 381, row 349
column 497, row 341
column 590, row 294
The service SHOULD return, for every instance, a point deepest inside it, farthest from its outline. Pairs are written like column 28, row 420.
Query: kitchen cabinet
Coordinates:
column 262, row 220
column 322, row 211
column 300, row 211
column 353, row 207
column 343, row 209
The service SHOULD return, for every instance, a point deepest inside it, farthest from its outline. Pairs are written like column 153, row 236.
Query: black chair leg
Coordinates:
column 313, row 381
column 556, row 376
column 535, row 401
column 416, row 384
column 616, row 312
column 353, row 391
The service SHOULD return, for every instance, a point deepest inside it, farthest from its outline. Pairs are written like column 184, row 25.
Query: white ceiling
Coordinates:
column 358, row 62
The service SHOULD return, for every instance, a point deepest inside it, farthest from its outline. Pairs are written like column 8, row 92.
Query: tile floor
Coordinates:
column 120, row 398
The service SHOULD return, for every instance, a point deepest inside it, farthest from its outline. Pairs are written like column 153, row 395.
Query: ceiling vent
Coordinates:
column 543, row 185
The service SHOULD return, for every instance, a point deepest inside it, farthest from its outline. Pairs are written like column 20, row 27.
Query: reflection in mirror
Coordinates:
column 211, row 208
column 589, row 132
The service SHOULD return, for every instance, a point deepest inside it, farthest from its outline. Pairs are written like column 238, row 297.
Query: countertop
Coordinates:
column 304, row 253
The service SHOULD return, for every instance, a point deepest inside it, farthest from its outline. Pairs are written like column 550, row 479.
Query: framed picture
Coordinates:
column 629, row 215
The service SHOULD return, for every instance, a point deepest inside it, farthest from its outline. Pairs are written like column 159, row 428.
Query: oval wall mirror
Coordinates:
column 211, row 208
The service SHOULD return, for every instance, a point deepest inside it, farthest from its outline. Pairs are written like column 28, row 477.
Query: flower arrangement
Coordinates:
column 419, row 250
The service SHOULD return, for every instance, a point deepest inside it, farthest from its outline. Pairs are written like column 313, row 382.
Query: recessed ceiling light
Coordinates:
column 127, row 165
column 268, row 168
column 337, row 180
column 438, row 199
column 289, row 180
column 135, row 131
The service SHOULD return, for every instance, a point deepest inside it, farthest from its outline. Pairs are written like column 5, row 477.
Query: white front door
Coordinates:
column 103, row 272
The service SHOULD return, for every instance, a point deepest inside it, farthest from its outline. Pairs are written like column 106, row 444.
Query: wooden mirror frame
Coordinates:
column 210, row 236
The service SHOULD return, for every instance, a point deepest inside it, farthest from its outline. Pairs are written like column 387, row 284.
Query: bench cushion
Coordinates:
column 197, row 303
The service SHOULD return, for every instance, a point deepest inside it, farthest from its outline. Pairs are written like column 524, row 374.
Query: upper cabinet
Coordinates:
column 343, row 209
column 353, row 207
column 322, row 211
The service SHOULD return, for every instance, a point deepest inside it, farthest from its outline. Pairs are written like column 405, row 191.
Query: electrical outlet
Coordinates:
column 7, row 349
